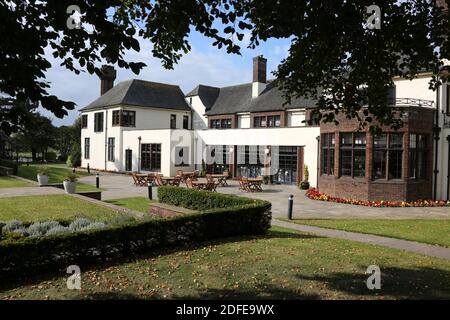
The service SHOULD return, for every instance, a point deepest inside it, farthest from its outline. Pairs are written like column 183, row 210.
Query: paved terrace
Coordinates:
column 121, row 186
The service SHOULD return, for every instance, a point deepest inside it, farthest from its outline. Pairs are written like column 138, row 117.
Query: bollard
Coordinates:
column 88, row 168
column 290, row 205
column 97, row 181
column 73, row 170
column 150, row 192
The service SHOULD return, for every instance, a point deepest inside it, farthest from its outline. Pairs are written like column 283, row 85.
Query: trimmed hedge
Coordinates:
column 10, row 164
column 220, row 216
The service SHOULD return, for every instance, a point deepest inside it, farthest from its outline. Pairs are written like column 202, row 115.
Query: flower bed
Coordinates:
column 314, row 194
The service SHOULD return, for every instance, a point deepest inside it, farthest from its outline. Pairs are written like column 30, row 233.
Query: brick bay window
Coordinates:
column 387, row 156
column 353, row 155
column 418, row 155
column 327, row 156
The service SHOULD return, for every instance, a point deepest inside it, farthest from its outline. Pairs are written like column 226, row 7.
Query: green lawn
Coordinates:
column 10, row 182
column 426, row 231
column 57, row 174
column 137, row 203
column 283, row 264
column 59, row 207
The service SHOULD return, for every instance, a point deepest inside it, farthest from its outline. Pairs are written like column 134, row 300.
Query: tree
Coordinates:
column 333, row 51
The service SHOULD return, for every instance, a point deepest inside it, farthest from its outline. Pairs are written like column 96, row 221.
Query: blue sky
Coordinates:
column 205, row 64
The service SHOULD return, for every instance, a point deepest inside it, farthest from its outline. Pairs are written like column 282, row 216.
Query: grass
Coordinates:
column 52, row 207
column 426, row 231
column 10, row 182
column 282, row 264
column 57, row 174
column 137, row 203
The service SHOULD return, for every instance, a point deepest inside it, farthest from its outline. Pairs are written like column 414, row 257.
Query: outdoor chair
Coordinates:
column 159, row 182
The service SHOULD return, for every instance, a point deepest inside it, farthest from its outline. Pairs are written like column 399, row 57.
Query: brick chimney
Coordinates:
column 259, row 75
column 108, row 75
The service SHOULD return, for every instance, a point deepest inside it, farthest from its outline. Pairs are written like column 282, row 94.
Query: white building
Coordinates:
column 146, row 126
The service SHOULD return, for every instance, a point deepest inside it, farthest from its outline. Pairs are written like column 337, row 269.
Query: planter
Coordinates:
column 42, row 179
column 69, row 186
column 304, row 185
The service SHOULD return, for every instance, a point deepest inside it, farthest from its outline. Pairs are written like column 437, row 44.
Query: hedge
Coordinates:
column 10, row 164
column 219, row 216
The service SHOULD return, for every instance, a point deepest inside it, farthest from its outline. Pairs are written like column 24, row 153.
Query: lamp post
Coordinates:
column 139, row 154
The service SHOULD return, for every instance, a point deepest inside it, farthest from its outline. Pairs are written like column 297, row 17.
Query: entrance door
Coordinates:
column 288, row 165
column 128, row 160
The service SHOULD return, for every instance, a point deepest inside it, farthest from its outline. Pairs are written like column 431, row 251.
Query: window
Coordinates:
column 116, row 118
column 346, row 154
column 151, row 157
column 448, row 99
column 359, row 155
column 220, row 123
column 418, row 153
column 388, row 156
column 353, row 155
column 111, row 149
column 395, row 156
column 128, row 118
column 87, row 147
column 181, row 156
column 98, row 122
column 186, row 122
column 328, row 143
column 273, row 121
column 84, row 121
column 266, row 121
column 173, row 121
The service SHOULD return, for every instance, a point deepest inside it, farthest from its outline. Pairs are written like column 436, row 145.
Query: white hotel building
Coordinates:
column 153, row 127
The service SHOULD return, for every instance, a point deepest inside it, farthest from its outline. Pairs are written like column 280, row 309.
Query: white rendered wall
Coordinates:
column 296, row 118
column 200, row 121
column 244, row 121
column 302, row 136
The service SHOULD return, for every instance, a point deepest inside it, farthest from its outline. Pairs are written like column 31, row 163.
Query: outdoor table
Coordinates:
column 141, row 178
column 255, row 184
column 221, row 179
column 170, row 180
column 201, row 185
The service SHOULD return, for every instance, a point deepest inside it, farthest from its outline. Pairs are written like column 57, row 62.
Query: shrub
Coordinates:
column 71, row 177
column 79, row 224
column 93, row 226
column 43, row 171
column 219, row 216
column 10, row 164
column 12, row 225
column 41, row 228
column 57, row 230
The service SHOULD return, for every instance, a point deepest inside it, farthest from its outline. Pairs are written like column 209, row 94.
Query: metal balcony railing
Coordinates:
column 413, row 102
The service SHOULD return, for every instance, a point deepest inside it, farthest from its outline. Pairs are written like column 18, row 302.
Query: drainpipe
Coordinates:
column 448, row 170
column 437, row 131
column 318, row 162
column 106, row 139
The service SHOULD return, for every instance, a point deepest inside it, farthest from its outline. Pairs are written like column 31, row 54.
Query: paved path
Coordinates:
column 426, row 249
column 29, row 191
column 121, row 186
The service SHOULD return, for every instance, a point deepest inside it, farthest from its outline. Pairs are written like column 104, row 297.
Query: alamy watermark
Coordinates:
column 374, row 280
column 374, row 20
column 74, row 20
column 74, row 281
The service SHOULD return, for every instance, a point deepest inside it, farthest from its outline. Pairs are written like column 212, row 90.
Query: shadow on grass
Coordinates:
column 398, row 283
column 269, row 292
column 10, row 282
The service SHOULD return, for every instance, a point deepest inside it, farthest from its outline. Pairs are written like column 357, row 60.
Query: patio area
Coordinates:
column 119, row 186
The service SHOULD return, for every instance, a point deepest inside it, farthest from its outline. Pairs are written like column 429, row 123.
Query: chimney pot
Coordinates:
column 107, row 77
